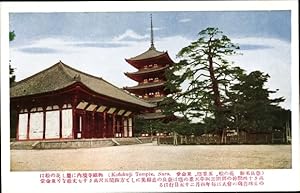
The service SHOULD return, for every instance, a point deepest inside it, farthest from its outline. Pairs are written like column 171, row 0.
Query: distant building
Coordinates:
column 151, row 66
column 64, row 103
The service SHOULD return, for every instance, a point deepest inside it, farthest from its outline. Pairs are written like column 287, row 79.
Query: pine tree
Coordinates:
column 204, row 74
column 251, row 107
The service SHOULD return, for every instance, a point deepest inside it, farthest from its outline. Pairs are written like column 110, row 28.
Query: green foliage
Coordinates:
column 12, row 35
column 215, row 92
column 250, row 104
column 148, row 126
column 12, row 77
column 204, row 74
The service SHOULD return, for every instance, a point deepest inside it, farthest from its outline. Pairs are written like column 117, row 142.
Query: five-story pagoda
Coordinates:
column 150, row 75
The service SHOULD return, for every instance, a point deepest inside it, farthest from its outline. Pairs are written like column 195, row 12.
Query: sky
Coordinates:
column 98, row 42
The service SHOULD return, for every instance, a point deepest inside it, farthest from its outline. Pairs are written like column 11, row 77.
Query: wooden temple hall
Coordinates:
column 64, row 103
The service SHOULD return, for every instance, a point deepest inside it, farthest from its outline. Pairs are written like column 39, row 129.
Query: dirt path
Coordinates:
column 153, row 157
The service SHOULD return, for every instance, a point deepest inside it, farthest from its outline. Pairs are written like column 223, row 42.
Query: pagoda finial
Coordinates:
column 152, row 43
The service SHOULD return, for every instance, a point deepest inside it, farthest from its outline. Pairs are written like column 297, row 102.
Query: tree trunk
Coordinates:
column 216, row 93
column 214, row 81
column 223, row 136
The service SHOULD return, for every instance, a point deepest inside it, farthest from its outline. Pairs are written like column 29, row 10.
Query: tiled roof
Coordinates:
column 150, row 53
column 146, row 71
column 146, row 85
column 154, row 99
column 157, row 115
column 60, row 76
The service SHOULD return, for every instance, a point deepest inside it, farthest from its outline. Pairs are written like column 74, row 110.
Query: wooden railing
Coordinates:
column 246, row 138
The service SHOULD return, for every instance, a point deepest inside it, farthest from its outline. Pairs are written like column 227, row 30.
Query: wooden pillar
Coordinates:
column 118, row 130
column 44, row 123
column 93, row 126
column 74, row 118
column 98, row 125
column 84, row 125
column 60, row 122
column 101, row 125
column 113, row 125
column 17, row 129
column 28, row 125
column 125, row 126
column 122, row 126
column 130, row 126
column 104, row 125
column 74, row 124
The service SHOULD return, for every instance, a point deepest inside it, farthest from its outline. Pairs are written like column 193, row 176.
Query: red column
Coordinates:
column 113, row 125
column 127, row 126
column 104, row 125
column 17, row 130
column 94, row 128
column 74, row 125
column 60, row 122
column 132, row 128
column 84, row 125
column 44, row 123
column 74, row 118
column 101, row 125
column 28, row 125
column 122, row 126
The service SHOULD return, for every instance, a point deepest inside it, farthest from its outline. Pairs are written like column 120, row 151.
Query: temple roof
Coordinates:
column 150, row 53
column 60, row 76
column 146, row 71
column 146, row 85
column 158, row 115
column 154, row 99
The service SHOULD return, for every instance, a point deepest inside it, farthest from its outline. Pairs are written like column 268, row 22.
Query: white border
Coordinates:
column 276, row 180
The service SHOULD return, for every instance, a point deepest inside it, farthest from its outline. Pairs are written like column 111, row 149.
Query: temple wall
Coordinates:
column 56, row 122
column 36, row 125
column 23, row 121
column 55, row 118
column 67, row 120
column 52, row 125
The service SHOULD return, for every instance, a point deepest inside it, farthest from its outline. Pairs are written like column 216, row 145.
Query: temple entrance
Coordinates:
column 101, row 125
column 78, row 126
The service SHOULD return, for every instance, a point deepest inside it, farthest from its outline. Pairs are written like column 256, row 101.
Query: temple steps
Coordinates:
column 126, row 141
column 78, row 143
column 22, row 144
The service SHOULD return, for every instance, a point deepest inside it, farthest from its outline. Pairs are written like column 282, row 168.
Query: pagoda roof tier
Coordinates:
column 150, row 53
column 60, row 76
column 146, row 86
column 154, row 99
column 151, row 56
column 141, row 74
column 149, row 116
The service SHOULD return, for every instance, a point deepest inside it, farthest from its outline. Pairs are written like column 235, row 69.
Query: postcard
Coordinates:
column 161, row 96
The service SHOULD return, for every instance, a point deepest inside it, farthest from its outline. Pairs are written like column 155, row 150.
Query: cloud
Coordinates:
column 271, row 56
column 130, row 35
column 185, row 20
column 107, row 59
column 154, row 28
column 38, row 50
column 100, row 44
column 253, row 47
